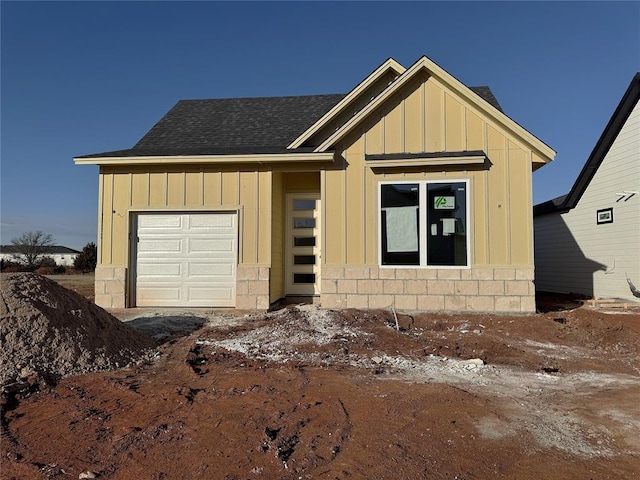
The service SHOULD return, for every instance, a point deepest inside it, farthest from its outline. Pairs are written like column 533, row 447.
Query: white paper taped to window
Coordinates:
column 402, row 229
column 448, row 226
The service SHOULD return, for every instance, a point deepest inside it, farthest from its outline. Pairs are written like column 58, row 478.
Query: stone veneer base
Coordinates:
column 110, row 286
column 496, row 290
column 482, row 289
column 252, row 287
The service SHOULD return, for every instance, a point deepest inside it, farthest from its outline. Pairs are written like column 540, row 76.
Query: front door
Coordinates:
column 303, row 244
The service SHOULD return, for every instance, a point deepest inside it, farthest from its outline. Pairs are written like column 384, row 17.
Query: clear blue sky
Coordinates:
column 88, row 77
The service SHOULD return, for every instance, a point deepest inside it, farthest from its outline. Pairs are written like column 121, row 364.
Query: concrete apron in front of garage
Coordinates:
column 161, row 323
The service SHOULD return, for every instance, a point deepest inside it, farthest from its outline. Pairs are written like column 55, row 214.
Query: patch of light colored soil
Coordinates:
column 538, row 404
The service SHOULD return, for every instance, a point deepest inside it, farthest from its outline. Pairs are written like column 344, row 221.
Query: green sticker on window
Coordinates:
column 444, row 203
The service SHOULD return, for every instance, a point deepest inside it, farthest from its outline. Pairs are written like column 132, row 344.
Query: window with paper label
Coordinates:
column 424, row 224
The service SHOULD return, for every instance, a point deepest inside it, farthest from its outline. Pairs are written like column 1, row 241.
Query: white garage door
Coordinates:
column 186, row 260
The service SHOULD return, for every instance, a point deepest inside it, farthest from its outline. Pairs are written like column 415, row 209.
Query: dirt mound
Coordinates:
column 48, row 332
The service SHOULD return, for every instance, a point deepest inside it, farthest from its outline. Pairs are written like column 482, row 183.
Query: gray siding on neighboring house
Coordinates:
column 575, row 254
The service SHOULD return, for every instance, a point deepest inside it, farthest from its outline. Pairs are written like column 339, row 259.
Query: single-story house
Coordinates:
column 411, row 191
column 588, row 241
column 63, row 256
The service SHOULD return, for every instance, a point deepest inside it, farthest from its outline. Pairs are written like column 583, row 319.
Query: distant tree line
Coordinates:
column 29, row 253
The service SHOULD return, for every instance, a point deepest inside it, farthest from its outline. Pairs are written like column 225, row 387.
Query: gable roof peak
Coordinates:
column 473, row 97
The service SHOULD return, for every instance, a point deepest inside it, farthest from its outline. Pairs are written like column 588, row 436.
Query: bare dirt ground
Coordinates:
column 302, row 393
column 83, row 284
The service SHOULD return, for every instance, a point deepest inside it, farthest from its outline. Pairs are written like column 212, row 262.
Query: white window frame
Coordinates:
column 423, row 230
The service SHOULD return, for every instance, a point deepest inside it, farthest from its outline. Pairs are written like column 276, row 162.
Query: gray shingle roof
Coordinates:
column 231, row 126
column 486, row 94
column 238, row 125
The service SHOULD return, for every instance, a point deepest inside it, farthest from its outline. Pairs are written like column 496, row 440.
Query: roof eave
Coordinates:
column 311, row 157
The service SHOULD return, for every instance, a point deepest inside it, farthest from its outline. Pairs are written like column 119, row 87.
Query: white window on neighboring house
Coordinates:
column 424, row 223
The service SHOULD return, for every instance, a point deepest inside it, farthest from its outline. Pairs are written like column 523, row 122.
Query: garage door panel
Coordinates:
column 212, row 221
column 159, row 245
column 211, row 245
column 186, row 259
column 157, row 221
column 163, row 293
column 159, row 269
column 200, row 295
column 211, row 269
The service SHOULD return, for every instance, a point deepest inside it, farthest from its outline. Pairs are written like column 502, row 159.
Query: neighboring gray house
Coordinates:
column 63, row 256
column 588, row 241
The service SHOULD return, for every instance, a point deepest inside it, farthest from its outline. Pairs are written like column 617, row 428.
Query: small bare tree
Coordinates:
column 31, row 248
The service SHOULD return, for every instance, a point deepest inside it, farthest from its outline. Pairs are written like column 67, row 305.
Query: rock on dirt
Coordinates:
column 48, row 332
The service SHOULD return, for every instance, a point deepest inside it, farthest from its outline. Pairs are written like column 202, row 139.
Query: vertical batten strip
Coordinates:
column 111, row 195
column 269, row 218
column 507, row 182
column 202, row 187
column 485, row 186
column 130, row 189
column 148, row 200
column 531, row 232
column 443, row 120
column 323, row 217
column 343, row 253
column 166, row 189
column 257, row 216
column 363, row 190
column 465, row 128
column 101, row 216
column 403, row 124
column 423, row 115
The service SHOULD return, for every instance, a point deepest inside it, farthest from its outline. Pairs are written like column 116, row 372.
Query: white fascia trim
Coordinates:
column 216, row 159
column 390, row 64
column 457, row 86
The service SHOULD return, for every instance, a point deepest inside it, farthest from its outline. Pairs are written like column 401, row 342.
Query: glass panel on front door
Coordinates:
column 303, row 244
column 304, row 241
column 304, row 204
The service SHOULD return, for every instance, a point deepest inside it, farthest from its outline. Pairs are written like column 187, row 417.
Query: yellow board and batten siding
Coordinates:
column 426, row 116
column 276, row 273
column 124, row 190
